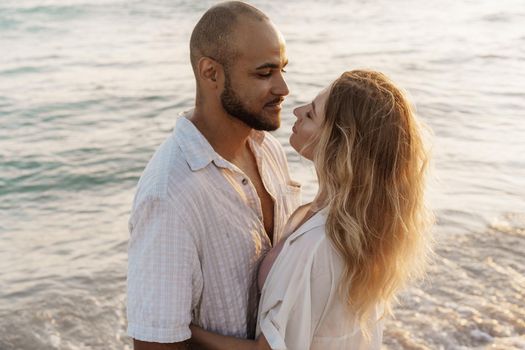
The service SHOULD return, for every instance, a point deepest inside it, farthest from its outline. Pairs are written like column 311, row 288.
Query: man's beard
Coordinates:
column 234, row 106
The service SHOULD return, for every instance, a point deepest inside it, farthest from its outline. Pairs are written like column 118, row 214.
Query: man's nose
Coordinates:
column 280, row 88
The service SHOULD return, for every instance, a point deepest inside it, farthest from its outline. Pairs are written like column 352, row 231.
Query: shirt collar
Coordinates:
column 257, row 136
column 197, row 150
column 317, row 220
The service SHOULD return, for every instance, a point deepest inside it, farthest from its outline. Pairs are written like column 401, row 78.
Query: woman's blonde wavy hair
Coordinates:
column 371, row 162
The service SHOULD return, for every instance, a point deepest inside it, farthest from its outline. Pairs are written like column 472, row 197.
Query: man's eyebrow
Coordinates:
column 271, row 65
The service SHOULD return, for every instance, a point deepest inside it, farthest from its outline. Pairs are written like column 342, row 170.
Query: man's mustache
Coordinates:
column 276, row 101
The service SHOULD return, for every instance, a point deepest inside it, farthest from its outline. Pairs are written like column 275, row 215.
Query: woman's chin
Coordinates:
column 294, row 144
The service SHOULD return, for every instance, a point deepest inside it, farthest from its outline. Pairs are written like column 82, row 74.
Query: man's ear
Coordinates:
column 209, row 70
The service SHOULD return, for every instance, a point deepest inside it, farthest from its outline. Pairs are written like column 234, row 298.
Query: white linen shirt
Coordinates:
column 197, row 235
column 300, row 305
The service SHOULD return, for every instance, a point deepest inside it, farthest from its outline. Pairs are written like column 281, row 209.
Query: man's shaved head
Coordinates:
column 212, row 36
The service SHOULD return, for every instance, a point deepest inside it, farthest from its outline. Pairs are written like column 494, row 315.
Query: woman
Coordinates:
column 329, row 283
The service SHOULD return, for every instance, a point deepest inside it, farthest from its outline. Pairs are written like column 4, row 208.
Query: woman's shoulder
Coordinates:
column 312, row 233
column 314, row 244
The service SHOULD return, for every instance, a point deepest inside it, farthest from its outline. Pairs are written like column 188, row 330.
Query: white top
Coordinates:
column 300, row 305
column 197, row 235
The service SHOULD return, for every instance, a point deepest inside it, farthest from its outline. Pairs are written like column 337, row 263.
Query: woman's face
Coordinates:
column 308, row 124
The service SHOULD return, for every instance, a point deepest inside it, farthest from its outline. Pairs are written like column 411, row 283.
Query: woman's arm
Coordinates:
column 213, row 341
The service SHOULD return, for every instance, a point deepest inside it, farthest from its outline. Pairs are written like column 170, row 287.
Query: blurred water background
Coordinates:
column 90, row 88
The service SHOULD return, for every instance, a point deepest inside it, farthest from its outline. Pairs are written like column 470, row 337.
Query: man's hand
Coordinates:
column 142, row 345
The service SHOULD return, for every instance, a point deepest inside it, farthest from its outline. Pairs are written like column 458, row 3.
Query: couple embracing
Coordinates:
column 222, row 254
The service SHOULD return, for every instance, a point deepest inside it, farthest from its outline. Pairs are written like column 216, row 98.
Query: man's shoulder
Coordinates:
column 167, row 170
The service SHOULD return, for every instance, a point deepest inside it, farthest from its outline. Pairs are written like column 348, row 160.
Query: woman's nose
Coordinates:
column 298, row 112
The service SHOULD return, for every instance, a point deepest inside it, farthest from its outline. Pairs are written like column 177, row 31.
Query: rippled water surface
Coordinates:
column 89, row 89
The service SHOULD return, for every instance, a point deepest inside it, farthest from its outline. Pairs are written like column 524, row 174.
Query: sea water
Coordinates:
column 90, row 88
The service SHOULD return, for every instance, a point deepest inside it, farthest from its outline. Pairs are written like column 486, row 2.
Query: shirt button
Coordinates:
column 244, row 181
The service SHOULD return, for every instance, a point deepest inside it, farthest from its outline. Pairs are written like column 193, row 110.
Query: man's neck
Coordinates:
column 228, row 136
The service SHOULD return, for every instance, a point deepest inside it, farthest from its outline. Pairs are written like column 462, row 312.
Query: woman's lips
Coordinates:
column 294, row 130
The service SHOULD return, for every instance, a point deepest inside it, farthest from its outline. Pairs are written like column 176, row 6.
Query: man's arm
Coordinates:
column 213, row 341
column 142, row 345
column 162, row 267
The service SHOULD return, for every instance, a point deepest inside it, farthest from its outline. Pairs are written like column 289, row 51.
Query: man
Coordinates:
column 217, row 192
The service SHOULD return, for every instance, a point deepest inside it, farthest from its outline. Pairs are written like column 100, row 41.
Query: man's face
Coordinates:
column 254, row 86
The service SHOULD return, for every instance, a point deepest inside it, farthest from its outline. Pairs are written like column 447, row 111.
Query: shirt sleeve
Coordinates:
column 163, row 274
